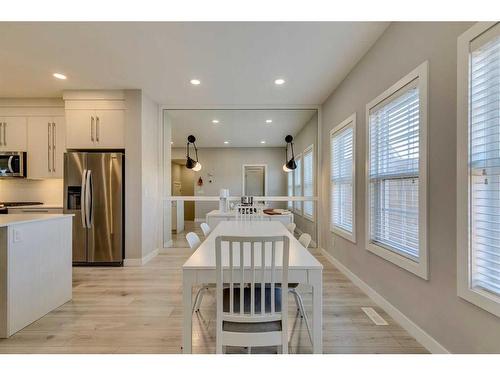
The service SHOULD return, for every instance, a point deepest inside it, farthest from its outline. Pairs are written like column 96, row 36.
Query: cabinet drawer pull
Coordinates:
column 53, row 147
column 5, row 134
column 48, row 146
column 97, row 126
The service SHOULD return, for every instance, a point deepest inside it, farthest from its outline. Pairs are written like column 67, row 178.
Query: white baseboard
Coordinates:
column 137, row 262
column 169, row 243
column 199, row 220
column 413, row 329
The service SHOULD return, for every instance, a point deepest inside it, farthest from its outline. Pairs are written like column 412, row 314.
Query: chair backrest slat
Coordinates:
column 273, row 270
column 263, row 279
column 252, row 286
column 231, row 285
column 242, row 284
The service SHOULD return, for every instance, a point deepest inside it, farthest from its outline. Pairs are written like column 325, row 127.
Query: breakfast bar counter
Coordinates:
column 35, row 267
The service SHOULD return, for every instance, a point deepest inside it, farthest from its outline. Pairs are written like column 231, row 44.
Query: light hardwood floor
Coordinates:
column 139, row 310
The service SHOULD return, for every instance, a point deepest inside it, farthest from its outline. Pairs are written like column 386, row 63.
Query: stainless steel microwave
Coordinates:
column 12, row 164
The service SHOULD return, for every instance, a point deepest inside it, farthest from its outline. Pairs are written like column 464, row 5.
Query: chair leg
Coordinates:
column 302, row 312
column 198, row 299
column 294, row 294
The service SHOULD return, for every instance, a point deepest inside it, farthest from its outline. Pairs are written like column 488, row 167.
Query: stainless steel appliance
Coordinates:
column 12, row 164
column 94, row 192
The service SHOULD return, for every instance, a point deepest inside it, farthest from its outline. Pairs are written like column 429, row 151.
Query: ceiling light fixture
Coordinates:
column 269, row 121
column 263, row 142
column 215, row 121
column 190, row 163
column 226, row 142
column 279, row 81
column 59, row 76
column 289, row 165
column 195, row 82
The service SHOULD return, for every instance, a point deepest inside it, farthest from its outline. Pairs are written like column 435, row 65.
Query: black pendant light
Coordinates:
column 190, row 163
column 289, row 165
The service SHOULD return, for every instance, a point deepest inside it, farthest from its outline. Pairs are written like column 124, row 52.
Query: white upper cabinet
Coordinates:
column 46, row 147
column 13, row 133
column 95, row 119
column 87, row 129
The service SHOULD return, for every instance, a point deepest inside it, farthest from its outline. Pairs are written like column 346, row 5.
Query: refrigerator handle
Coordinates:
column 83, row 198
column 89, row 199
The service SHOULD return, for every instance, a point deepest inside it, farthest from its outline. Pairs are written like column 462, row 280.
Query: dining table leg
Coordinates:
column 316, row 280
column 187, row 306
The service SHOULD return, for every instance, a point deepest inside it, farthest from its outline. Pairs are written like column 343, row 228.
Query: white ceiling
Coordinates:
column 241, row 128
column 236, row 62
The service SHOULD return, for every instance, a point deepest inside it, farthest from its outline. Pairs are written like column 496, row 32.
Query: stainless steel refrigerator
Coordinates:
column 94, row 192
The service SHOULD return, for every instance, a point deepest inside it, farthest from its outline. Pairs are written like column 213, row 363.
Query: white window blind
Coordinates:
column 308, row 161
column 394, row 172
column 341, row 168
column 297, row 178
column 484, row 166
column 290, row 188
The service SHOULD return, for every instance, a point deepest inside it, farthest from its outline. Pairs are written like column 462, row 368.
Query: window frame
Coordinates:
column 348, row 122
column 480, row 298
column 420, row 267
column 298, row 160
column 310, row 148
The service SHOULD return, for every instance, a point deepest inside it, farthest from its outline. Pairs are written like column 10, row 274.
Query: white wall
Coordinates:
column 433, row 304
column 142, row 168
column 151, row 207
column 225, row 166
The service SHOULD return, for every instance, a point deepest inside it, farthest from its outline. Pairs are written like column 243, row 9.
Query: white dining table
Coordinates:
column 304, row 268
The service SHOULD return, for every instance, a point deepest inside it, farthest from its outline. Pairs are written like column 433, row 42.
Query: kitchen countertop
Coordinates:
column 233, row 213
column 13, row 219
column 49, row 205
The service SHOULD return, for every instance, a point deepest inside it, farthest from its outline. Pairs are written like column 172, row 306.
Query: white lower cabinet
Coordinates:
column 46, row 147
column 90, row 129
column 13, row 133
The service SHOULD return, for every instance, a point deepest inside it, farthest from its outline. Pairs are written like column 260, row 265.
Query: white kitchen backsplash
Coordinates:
column 48, row 191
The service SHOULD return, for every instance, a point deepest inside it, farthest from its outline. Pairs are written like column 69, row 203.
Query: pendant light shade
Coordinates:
column 195, row 165
column 290, row 164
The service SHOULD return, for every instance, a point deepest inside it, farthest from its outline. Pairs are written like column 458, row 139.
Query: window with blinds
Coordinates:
column 290, row 188
column 484, row 165
column 297, row 183
column 308, row 186
column 342, row 178
column 394, row 172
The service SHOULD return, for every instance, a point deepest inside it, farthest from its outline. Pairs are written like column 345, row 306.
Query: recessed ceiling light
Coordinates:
column 279, row 81
column 262, row 142
column 269, row 121
column 215, row 121
column 226, row 142
column 195, row 82
column 59, row 76
column 171, row 142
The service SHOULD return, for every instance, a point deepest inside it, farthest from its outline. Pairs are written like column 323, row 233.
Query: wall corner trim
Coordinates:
column 137, row 262
column 413, row 329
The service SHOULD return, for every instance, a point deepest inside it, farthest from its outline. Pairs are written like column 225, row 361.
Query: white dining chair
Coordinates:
column 194, row 241
column 251, row 310
column 291, row 227
column 305, row 239
column 206, row 229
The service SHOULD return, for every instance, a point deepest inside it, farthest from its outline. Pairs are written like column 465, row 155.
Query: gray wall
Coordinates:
column 307, row 136
column 225, row 165
column 433, row 305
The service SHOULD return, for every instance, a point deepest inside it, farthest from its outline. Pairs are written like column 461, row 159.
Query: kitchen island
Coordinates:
column 214, row 217
column 35, row 267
